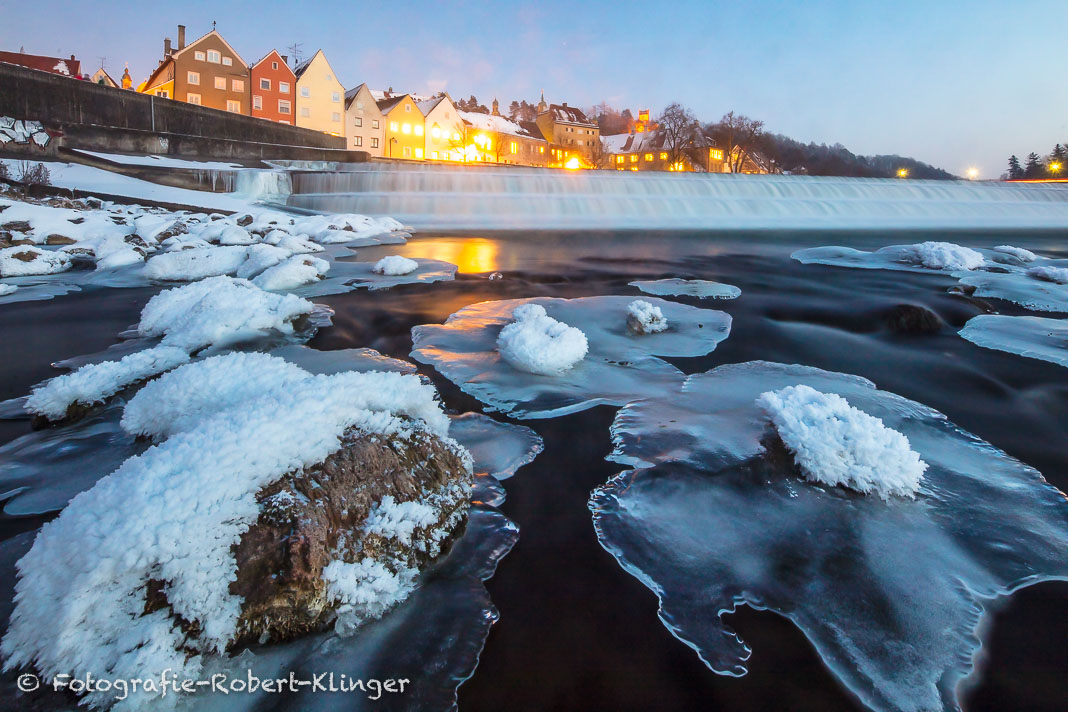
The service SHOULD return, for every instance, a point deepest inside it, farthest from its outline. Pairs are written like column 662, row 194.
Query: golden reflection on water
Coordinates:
column 469, row 254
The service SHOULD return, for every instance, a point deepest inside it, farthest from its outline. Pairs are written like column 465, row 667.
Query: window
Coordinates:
column 163, row 93
column 193, row 77
column 228, row 61
column 663, row 156
column 220, row 83
column 408, row 107
column 284, row 107
column 418, row 129
column 257, row 102
column 648, row 157
column 619, row 159
column 357, row 140
column 274, row 65
column 335, row 117
column 374, row 143
column 305, row 92
column 406, row 128
column 237, row 85
column 335, row 97
column 329, row 78
column 233, row 106
column 407, row 152
column 716, row 153
column 393, row 126
column 435, row 132
column 541, row 149
column 305, row 112
column 265, row 84
column 633, row 158
column 514, row 147
column 213, row 56
column 418, row 153
column 198, row 55
column 359, row 121
column 433, row 155
column 193, row 99
column 283, row 87
column 359, row 105
column 374, row 123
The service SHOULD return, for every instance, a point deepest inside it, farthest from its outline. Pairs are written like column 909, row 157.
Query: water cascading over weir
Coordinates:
column 430, row 197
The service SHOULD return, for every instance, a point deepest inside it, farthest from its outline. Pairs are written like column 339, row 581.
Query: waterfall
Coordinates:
column 272, row 186
column 491, row 197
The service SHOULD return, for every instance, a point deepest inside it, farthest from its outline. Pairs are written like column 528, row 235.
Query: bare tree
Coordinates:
column 599, row 155
column 738, row 134
column 676, row 125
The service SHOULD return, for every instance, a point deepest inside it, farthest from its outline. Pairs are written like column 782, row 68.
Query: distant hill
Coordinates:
column 823, row 160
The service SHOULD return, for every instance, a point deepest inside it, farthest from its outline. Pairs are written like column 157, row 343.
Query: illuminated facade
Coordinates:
column 207, row 72
column 569, row 134
column 492, row 138
column 364, row 123
column 648, row 150
column 405, row 129
column 320, row 100
column 444, row 129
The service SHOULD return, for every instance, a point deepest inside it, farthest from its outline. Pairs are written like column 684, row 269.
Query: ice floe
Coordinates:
column 889, row 592
column 1057, row 275
column 394, row 265
column 644, row 318
column 619, row 367
column 1031, row 336
column 700, row 288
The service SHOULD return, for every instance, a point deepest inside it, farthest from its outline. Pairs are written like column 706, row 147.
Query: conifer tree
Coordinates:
column 1034, row 168
column 1015, row 171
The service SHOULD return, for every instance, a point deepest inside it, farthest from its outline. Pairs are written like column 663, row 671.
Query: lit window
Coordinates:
column 193, row 99
column 305, row 112
column 663, row 156
column 257, row 102
column 237, row 85
column 274, row 65
column 233, row 106
column 633, row 159
column 407, row 152
column 717, row 154
column 433, row 155
column 193, row 77
column 619, row 159
column 283, row 87
column 284, row 107
column 649, row 157
column 418, row 130
column 228, row 62
column 455, row 136
column 359, row 121
column 541, row 149
column 213, row 56
column 393, row 126
column 418, row 153
column 198, row 55
column 357, row 140
column 374, row 123
column 634, row 168
column 406, row 128
column 335, row 97
column 265, row 84
column 514, row 146
column 305, row 92
column 374, row 143
column 220, row 83
column 335, row 117
column 435, row 132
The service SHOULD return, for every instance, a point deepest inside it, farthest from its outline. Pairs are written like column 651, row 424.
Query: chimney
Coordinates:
column 167, row 47
column 181, row 37
column 563, row 104
column 285, row 59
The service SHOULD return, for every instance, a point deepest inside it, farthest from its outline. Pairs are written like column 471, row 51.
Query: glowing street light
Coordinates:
column 902, row 172
column 573, row 164
column 1054, row 167
column 973, row 173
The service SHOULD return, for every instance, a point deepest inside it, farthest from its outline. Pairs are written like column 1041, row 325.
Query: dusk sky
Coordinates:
column 956, row 84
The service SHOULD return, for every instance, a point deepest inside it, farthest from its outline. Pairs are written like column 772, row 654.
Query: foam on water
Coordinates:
column 1031, row 336
column 890, row 593
column 700, row 288
column 619, row 367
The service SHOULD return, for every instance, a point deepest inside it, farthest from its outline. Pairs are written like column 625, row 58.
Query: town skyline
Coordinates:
column 869, row 91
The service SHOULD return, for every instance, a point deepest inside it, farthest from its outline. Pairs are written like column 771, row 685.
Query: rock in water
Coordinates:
column 913, row 319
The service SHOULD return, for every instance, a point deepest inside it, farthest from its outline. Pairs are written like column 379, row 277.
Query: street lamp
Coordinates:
column 902, row 172
column 1054, row 167
column 973, row 173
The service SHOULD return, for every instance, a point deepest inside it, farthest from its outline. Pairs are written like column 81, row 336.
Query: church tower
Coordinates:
column 542, row 106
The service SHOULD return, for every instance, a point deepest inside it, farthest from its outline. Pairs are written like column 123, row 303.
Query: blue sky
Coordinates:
column 954, row 83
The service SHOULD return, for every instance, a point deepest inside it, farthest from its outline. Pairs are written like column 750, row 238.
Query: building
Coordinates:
column 404, row 127
column 56, row 65
column 569, row 133
column 101, row 76
column 493, row 138
column 364, row 127
column 444, row 128
column 320, row 96
column 207, row 72
column 273, row 88
column 650, row 150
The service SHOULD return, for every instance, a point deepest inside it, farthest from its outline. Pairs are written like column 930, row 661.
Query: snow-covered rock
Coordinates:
column 1057, row 275
column 294, row 272
column 26, row 260
column 395, row 265
column 198, row 263
column 644, row 318
column 835, row 444
column 537, row 343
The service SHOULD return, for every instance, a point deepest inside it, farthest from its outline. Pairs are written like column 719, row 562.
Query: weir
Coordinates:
column 431, row 197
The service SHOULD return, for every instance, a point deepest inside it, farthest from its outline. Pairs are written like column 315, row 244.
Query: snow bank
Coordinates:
column 197, row 263
column 218, row 311
column 97, row 382
column 942, row 255
column 294, row 272
column 26, row 260
column 395, row 265
column 1017, row 252
column 1057, row 275
column 537, row 343
column 171, row 515
column 836, row 444
column 644, row 318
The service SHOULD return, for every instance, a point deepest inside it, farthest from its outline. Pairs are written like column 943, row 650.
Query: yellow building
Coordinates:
column 404, row 128
column 320, row 96
column 492, row 138
column 444, row 128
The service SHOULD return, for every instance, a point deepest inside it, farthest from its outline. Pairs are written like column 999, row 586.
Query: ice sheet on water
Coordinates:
column 1030, row 288
column 619, row 367
column 1031, row 336
column 327, row 362
column 889, row 593
column 346, row 275
column 921, row 257
column 700, row 288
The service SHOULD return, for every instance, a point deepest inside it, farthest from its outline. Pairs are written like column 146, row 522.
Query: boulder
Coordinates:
column 913, row 319
column 57, row 239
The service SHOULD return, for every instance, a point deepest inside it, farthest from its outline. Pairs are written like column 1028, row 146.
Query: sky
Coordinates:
column 957, row 84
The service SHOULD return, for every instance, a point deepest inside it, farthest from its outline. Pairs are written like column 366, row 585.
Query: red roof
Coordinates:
column 56, row 65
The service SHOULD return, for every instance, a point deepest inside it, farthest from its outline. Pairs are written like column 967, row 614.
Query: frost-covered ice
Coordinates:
column 941, row 256
column 1022, row 288
column 890, row 593
column 1017, row 252
column 618, row 368
column 1057, row 275
column 6, row 289
column 366, row 589
column 363, row 275
column 536, row 343
column 920, row 257
column 340, row 360
column 838, row 445
column 394, row 265
column 177, row 524
column 27, row 260
column 700, row 288
column 194, row 264
column 217, row 312
column 294, row 272
column 95, row 383
column 1031, row 336
column 644, row 318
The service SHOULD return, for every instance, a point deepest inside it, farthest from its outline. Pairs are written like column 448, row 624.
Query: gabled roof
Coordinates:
column 387, row 105
column 565, row 114
column 56, row 65
column 237, row 57
column 105, row 73
column 427, row 105
column 267, row 56
column 499, row 125
column 303, row 67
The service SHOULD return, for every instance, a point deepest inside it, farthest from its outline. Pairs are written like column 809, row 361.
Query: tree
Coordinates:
column 738, row 134
column 1015, row 171
column 1034, row 167
column 599, row 155
column 677, row 126
column 513, row 110
column 1055, row 166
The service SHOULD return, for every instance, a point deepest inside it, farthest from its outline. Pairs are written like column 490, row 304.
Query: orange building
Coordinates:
column 207, row 72
column 273, row 88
